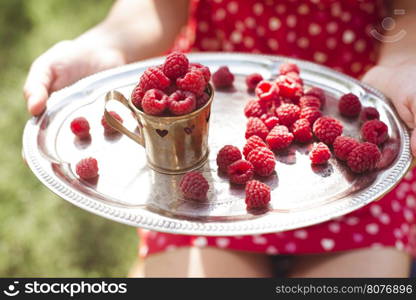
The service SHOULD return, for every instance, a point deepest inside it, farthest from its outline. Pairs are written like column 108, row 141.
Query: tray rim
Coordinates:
column 162, row 223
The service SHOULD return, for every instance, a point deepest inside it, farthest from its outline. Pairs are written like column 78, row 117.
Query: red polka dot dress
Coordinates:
column 330, row 32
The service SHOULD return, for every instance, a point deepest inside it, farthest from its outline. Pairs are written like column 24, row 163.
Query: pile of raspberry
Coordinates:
column 284, row 111
column 175, row 88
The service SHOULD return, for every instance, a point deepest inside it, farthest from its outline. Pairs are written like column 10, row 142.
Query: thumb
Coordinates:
column 380, row 78
column 36, row 88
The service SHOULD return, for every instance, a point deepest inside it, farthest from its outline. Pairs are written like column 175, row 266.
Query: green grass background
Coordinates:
column 41, row 234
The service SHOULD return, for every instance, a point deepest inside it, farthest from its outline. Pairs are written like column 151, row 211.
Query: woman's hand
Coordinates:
column 62, row 65
column 398, row 83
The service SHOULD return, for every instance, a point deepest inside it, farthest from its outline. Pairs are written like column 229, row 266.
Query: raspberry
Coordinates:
column 267, row 92
column 343, row 145
column 181, row 103
column 349, row 105
column 279, row 138
column 107, row 128
column 252, row 80
column 253, row 142
column 193, row 81
column 301, row 130
column 171, row 89
column 364, row 158
column 154, row 102
column 226, row 156
column 289, row 87
column 255, row 126
column 176, row 65
column 320, row 154
column 288, row 114
column 311, row 114
column 271, row 122
column 223, row 78
column 309, row 101
column 202, row 100
column 194, row 186
column 80, row 127
column 295, row 76
column 154, row 78
column 318, row 93
column 137, row 96
column 204, row 69
column 288, row 67
column 369, row 113
column 267, row 115
column 87, row 168
column 257, row 195
column 240, row 171
column 375, row 132
column 253, row 108
column 326, row 129
column 263, row 161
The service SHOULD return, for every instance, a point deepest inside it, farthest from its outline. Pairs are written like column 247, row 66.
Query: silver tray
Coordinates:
column 128, row 191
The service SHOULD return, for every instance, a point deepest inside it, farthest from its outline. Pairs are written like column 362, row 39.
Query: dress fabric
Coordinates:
column 330, row 32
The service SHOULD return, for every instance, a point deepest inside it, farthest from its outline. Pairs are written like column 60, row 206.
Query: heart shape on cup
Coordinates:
column 162, row 132
column 188, row 130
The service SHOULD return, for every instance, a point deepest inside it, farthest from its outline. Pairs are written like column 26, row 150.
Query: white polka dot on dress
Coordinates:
column 300, row 234
column 232, row 7
column 200, row 241
column 274, row 23
column 327, row 244
column 259, row 240
column 258, row 8
column 348, row 37
column 271, row 250
column 334, row 227
column 372, row 228
column 314, row 29
column 222, row 242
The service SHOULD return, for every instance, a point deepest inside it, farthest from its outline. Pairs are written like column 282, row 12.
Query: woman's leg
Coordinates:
column 384, row 262
column 206, row 262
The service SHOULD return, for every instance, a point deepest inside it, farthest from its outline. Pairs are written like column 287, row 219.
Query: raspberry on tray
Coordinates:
column 252, row 143
column 223, row 78
column 263, row 161
column 279, row 138
column 194, row 186
column 302, row 131
column 107, row 128
column 343, row 145
column 226, row 156
column 240, row 171
column 87, row 168
column 80, row 127
column 257, row 195
column 374, row 131
column 349, row 105
column 193, row 81
column 364, row 157
column 255, row 126
column 288, row 114
column 326, row 129
column 319, row 154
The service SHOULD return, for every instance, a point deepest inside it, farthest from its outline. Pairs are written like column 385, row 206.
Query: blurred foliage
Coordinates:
column 41, row 234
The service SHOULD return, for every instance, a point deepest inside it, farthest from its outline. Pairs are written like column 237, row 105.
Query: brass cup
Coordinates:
column 174, row 145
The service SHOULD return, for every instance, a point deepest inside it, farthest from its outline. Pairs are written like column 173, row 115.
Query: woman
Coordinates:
column 377, row 240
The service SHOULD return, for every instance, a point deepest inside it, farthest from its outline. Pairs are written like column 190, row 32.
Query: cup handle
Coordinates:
column 116, row 124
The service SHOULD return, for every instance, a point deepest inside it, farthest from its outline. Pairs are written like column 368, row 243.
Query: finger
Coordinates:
column 36, row 88
column 378, row 77
column 413, row 142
